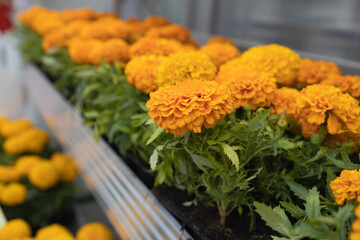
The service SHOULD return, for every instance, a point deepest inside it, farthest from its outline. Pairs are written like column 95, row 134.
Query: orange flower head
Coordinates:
column 141, row 72
column 137, row 29
column 220, row 53
column 281, row 62
column 48, row 21
column 65, row 166
column 94, row 230
column 29, row 15
column 191, row 44
column 13, row 194
column 189, row 105
column 25, row 163
column 54, row 231
column 312, row 71
column 79, row 50
column 106, row 28
column 346, row 186
column 44, row 175
column 285, row 99
column 349, row 84
column 111, row 50
column 172, row 31
column 79, row 14
column 155, row 21
column 248, row 86
column 221, row 39
column 153, row 46
column 9, row 174
column 11, row 128
column 15, row 228
column 185, row 65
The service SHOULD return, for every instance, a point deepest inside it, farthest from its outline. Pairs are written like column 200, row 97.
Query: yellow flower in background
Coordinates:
column 3, row 120
column 10, row 128
column 198, row 104
column 346, row 186
column 16, row 228
column 13, row 194
column 248, row 86
column 141, row 72
column 285, row 99
column 93, row 231
column 155, row 21
column 221, row 39
column 172, row 31
column 281, row 62
column 2, row 187
column 44, row 175
column 220, row 53
column 349, row 84
column 35, row 140
column 182, row 66
column 150, row 46
column 316, row 71
column 9, row 174
column 25, row 163
column 65, row 166
column 54, row 232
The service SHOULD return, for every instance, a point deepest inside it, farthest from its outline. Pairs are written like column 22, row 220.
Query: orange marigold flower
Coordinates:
column 44, row 175
column 54, row 231
column 350, row 84
column 79, row 14
column 172, row 31
column 185, row 65
column 15, row 228
column 3, row 120
column 79, row 50
column 281, row 62
column 13, row 194
column 312, row 71
column 220, row 53
column 354, row 235
column 45, row 22
column 191, row 44
column 141, row 72
column 151, row 46
column 94, row 230
column 11, row 128
column 198, row 104
column 284, row 99
column 25, row 163
column 105, row 28
column 221, row 39
column 248, row 86
column 29, row 15
column 346, row 186
column 111, row 50
column 155, row 21
column 9, row 174
column 65, row 166
column 137, row 29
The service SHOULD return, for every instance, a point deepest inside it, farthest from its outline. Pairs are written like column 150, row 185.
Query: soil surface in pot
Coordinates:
column 203, row 223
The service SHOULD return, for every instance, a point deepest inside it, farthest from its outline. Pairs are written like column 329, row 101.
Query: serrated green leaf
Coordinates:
column 307, row 230
column 294, row 210
column 154, row 158
column 231, row 154
column 312, row 205
column 298, row 189
column 156, row 133
column 287, row 145
column 211, row 142
column 344, row 213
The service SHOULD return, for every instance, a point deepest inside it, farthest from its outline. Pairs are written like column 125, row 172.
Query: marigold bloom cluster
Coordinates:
column 220, row 53
column 284, row 99
column 44, row 175
column 25, row 163
column 281, row 62
column 172, row 31
column 316, row 101
column 94, row 230
column 155, row 21
column 15, row 229
column 185, row 65
column 141, row 72
column 106, row 28
column 91, row 51
column 221, row 39
column 346, row 186
column 79, row 14
column 247, row 86
column 149, row 46
column 54, row 231
column 65, row 166
column 349, row 84
column 9, row 174
column 198, row 104
column 13, row 194
column 10, row 128
column 316, row 71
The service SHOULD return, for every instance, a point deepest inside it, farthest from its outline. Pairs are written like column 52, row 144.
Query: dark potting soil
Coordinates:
column 203, row 223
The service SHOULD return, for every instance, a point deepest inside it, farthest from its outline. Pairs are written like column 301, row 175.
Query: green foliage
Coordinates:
column 29, row 44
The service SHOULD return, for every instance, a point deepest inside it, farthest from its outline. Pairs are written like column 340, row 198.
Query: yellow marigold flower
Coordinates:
column 65, row 166
column 3, row 120
column 16, row 228
column 221, row 39
column 44, row 175
column 25, row 163
column 312, row 71
column 172, row 31
column 346, row 186
column 149, row 46
column 2, row 187
column 355, row 226
column 350, row 84
column 9, row 128
column 285, row 99
column 106, row 28
column 61, row 37
column 9, row 174
column 28, row 16
column 94, row 230
column 185, row 65
column 247, row 86
column 282, row 62
column 220, row 53
column 35, row 139
column 155, row 21
column 54, row 231
column 141, row 72
column 111, row 50
column 79, row 14
column 13, row 194
column 357, row 211
column 198, row 104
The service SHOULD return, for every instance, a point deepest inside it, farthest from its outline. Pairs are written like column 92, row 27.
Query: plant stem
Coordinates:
column 222, row 206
